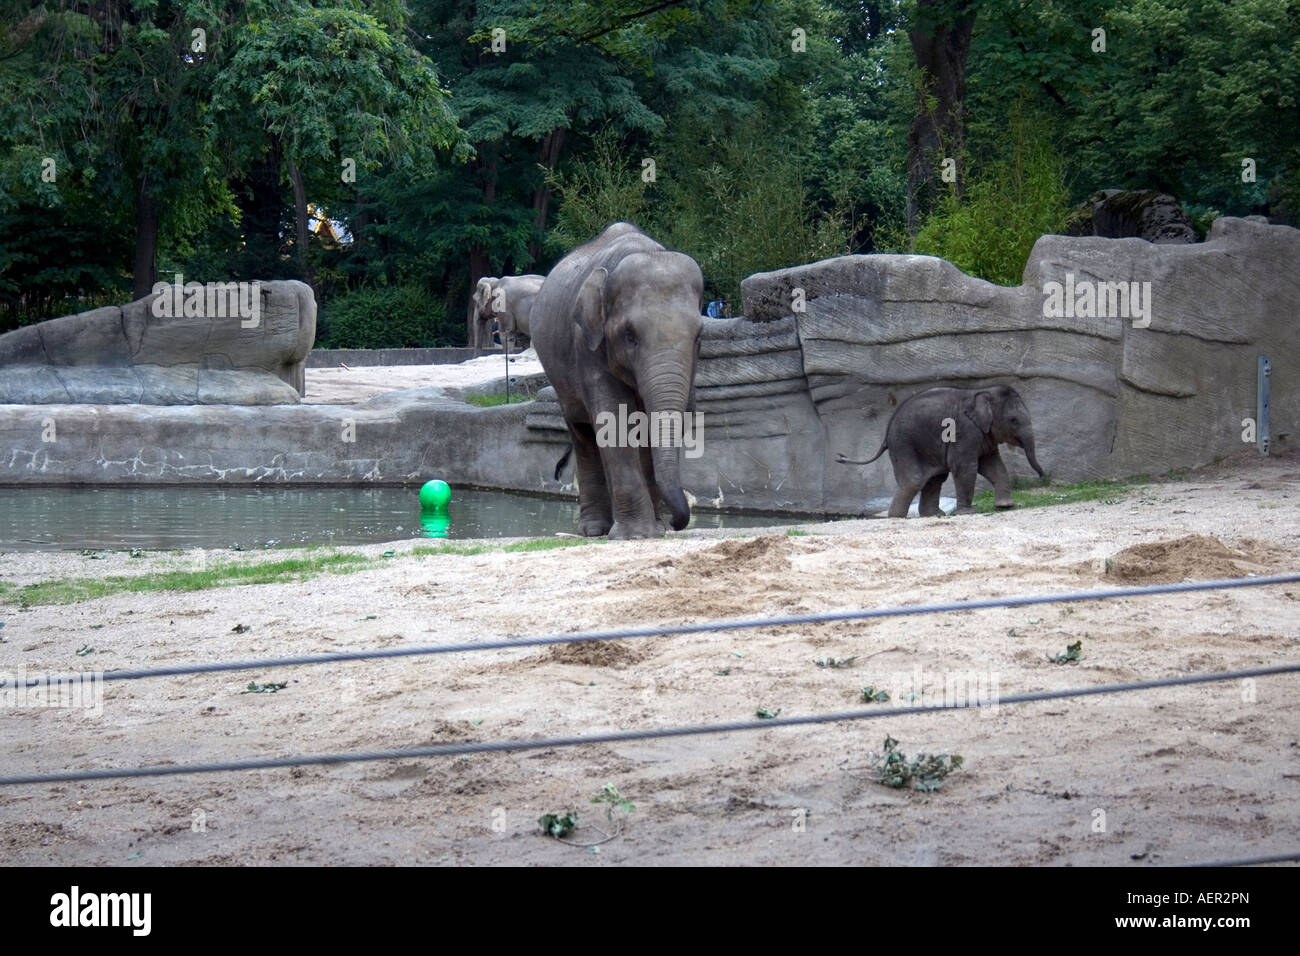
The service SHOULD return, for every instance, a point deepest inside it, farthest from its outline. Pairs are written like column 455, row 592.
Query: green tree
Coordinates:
column 104, row 95
column 1199, row 85
column 1008, row 204
column 334, row 93
column 863, row 102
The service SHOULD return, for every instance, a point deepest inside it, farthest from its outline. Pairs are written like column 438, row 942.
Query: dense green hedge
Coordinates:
column 386, row 317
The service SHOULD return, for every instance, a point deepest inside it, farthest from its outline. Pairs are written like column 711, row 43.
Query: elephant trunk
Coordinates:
column 665, row 399
column 667, row 468
column 1027, row 443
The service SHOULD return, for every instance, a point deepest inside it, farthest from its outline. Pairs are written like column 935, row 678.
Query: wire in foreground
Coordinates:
column 543, row 743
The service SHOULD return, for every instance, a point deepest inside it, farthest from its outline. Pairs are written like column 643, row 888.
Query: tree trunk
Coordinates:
column 300, row 226
column 479, row 266
column 941, row 49
column 146, row 241
column 258, row 196
column 551, row 146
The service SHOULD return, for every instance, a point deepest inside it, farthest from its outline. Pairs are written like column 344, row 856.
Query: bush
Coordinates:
column 745, row 208
column 387, row 317
column 595, row 192
column 750, row 212
column 1013, row 202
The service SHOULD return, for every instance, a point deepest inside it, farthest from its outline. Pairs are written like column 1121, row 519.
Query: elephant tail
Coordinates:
column 564, row 460
column 850, row 461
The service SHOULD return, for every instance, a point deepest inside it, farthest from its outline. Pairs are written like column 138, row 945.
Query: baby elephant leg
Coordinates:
column 963, row 478
column 929, row 507
column 898, row 508
column 992, row 468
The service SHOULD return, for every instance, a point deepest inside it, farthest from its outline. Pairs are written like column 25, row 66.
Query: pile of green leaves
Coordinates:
column 1073, row 654
column 923, row 772
column 558, row 824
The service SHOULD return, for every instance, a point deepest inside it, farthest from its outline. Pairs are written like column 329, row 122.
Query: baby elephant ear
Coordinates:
column 979, row 409
column 590, row 312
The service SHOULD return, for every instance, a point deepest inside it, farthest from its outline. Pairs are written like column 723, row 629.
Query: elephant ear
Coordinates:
column 482, row 293
column 591, row 309
column 979, row 409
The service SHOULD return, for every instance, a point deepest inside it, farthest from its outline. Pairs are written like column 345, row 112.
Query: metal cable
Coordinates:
column 706, row 626
column 1248, row 861
column 542, row 743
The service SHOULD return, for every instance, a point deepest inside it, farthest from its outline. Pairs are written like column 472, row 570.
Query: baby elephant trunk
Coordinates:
column 1027, row 443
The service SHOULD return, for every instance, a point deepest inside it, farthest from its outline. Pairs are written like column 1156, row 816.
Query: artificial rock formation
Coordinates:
column 1132, row 213
column 132, row 355
column 785, row 390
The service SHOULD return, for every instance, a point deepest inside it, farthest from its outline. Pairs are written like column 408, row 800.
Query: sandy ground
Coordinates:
column 1210, row 772
column 347, row 386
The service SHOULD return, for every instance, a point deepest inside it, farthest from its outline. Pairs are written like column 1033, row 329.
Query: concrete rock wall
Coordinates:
column 128, row 355
column 397, row 438
column 784, row 391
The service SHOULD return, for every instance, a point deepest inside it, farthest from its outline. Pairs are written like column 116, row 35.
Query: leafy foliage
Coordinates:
column 991, row 232
column 558, row 824
column 923, row 772
column 390, row 317
column 836, row 662
column 1073, row 654
column 474, row 158
column 596, row 191
column 613, row 800
column 267, row 688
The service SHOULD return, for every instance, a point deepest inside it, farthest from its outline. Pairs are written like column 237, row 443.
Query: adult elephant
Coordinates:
column 617, row 328
column 946, row 430
column 507, row 300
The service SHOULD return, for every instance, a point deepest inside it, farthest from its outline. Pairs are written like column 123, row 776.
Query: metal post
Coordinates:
column 1261, row 405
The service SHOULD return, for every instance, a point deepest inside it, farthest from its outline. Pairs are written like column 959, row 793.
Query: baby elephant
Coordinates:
column 957, row 430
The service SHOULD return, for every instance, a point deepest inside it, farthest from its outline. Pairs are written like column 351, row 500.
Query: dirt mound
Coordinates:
column 732, row 578
column 1192, row 557
column 767, row 553
column 440, row 731
column 596, row 653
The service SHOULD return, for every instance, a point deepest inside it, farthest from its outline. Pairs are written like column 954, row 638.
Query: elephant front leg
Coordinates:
column 963, row 477
column 634, row 510
column 992, row 468
column 595, row 516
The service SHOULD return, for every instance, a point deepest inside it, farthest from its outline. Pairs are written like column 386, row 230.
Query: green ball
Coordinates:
column 434, row 523
column 435, row 495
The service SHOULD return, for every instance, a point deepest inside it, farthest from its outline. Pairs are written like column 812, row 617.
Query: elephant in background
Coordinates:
column 958, row 430
column 617, row 323
column 507, row 300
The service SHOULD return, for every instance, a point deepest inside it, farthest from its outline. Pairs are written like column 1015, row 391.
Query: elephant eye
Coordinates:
column 630, row 337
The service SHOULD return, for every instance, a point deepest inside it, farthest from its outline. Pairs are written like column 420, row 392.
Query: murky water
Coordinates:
column 51, row 519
